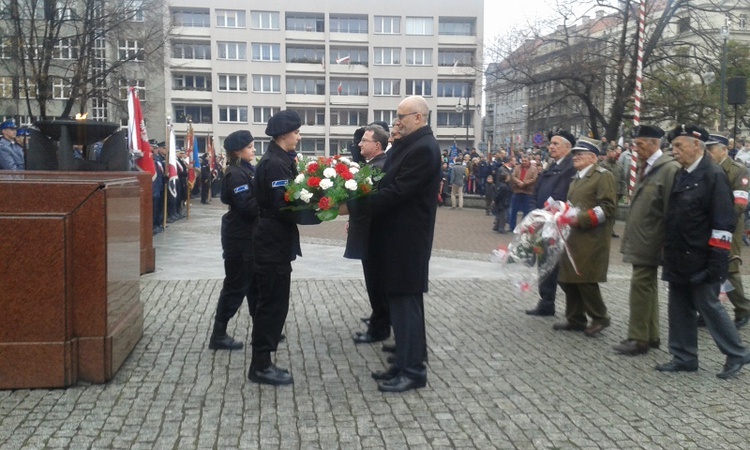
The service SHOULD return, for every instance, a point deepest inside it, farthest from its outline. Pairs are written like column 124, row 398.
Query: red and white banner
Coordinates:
column 172, row 163
column 137, row 135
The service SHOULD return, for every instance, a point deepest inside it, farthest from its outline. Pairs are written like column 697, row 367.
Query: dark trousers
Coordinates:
column 684, row 300
column 548, row 290
column 407, row 317
column 204, row 192
column 274, row 282
column 380, row 319
column 158, row 211
column 518, row 203
column 238, row 284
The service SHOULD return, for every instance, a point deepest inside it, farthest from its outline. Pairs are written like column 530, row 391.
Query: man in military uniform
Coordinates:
column 593, row 194
column 739, row 182
column 699, row 223
column 644, row 237
column 11, row 154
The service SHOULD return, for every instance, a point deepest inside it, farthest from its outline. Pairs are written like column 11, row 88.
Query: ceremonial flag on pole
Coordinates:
column 172, row 163
column 345, row 59
column 211, row 153
column 341, row 87
column 137, row 136
column 638, row 91
column 192, row 152
column 196, row 159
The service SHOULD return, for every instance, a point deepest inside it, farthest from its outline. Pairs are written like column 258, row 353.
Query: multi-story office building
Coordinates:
column 340, row 64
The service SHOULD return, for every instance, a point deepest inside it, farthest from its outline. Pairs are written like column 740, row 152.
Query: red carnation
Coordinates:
column 287, row 198
column 365, row 188
column 313, row 182
column 325, row 203
column 341, row 168
column 312, row 168
column 347, row 175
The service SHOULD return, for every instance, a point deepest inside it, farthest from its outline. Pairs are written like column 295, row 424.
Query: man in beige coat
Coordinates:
column 644, row 237
column 594, row 194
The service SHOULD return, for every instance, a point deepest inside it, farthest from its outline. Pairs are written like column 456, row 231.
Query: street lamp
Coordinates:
column 725, row 35
column 466, row 110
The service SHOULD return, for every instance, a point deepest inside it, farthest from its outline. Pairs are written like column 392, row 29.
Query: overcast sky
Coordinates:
column 500, row 15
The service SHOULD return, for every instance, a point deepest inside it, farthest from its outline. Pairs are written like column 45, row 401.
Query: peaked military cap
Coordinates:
column 714, row 139
column 584, row 144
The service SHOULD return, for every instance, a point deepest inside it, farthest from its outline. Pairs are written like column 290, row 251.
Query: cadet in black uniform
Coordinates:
column 276, row 243
column 237, row 225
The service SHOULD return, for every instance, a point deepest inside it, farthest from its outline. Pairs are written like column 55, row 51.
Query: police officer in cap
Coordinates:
column 11, row 154
column 237, row 225
column 276, row 244
column 699, row 223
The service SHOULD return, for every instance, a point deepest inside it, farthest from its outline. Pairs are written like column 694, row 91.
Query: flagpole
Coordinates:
column 638, row 92
column 209, row 144
column 190, row 167
column 166, row 170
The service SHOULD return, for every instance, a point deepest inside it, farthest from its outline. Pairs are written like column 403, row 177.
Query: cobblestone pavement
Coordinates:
column 497, row 378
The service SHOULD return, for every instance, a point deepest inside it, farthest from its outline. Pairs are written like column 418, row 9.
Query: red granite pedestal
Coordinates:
column 70, row 261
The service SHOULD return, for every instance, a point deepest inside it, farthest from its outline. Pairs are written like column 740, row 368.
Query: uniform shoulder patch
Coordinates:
column 242, row 188
column 279, row 183
column 744, row 181
column 601, row 169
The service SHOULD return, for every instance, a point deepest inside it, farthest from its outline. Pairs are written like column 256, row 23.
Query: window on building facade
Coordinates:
column 348, row 24
column 312, row 116
column 230, row 18
column 7, row 50
column 305, row 22
column 419, row 56
column 742, row 22
column 351, row 55
column 386, row 115
column 191, row 50
column 198, row 114
column 348, row 87
column 140, row 86
column 233, row 114
column 6, row 87
column 683, row 24
column 387, row 56
column 266, row 83
column 232, row 50
column 65, row 48
column 266, row 52
column 137, row 14
column 452, row 119
column 129, row 50
column 99, row 109
column 261, row 145
column 191, row 82
column 386, row 87
column 232, row 83
column 419, row 26
column 349, row 117
column 457, row 26
column 305, row 55
column 447, row 58
column 387, row 25
column 419, row 87
column 453, row 89
column 191, row 18
column 264, row 20
column 28, row 89
column 63, row 11
column 310, row 146
column 261, row 114
column 305, row 86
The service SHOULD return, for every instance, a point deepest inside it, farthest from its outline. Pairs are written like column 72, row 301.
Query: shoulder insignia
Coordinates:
column 744, row 181
column 601, row 169
column 242, row 188
column 279, row 183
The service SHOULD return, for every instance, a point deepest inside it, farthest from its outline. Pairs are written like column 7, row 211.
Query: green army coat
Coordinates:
column 589, row 242
column 643, row 238
column 738, row 180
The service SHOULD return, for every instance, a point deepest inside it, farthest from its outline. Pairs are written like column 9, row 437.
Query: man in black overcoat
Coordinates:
column 403, row 223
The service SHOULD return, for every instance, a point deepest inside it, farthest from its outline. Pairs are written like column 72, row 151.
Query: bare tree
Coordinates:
column 76, row 50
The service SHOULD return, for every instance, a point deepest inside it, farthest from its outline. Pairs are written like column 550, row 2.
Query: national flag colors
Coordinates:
column 137, row 135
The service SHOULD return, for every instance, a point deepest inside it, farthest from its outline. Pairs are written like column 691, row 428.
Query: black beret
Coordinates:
column 237, row 140
column 563, row 134
column 382, row 124
column 585, row 144
column 283, row 122
column 358, row 133
column 648, row 131
column 693, row 131
column 714, row 139
column 161, row 144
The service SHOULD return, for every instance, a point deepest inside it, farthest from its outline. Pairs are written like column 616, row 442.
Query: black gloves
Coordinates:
column 716, row 272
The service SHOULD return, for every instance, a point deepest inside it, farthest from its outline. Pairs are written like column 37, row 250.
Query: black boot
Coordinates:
column 263, row 371
column 220, row 340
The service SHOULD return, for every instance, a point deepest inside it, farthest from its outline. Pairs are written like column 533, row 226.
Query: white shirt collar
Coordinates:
column 582, row 173
column 694, row 165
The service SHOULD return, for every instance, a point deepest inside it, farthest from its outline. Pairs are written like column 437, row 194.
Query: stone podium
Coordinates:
column 70, row 307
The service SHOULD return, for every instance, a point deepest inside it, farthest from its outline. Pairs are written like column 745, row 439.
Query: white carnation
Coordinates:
column 351, row 185
column 345, row 160
column 353, row 170
column 305, row 195
column 330, row 172
column 325, row 183
column 355, row 165
column 300, row 178
column 368, row 180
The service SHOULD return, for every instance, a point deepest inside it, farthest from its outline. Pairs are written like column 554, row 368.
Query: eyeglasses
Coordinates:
column 402, row 116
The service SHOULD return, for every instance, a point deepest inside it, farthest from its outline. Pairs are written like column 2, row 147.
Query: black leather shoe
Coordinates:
column 365, row 320
column 401, row 383
column 367, row 338
column 271, row 375
column 654, row 343
column 675, row 366
column 731, row 369
column 391, row 359
column 565, row 326
column 389, row 348
column 383, row 375
column 225, row 342
column 739, row 323
column 540, row 312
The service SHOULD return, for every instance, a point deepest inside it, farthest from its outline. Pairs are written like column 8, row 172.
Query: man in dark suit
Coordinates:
column 553, row 182
column 400, row 241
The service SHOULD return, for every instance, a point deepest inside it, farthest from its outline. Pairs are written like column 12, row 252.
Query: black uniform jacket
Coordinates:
column 358, row 235
column 239, row 192
column 554, row 182
column 403, row 214
column 700, row 202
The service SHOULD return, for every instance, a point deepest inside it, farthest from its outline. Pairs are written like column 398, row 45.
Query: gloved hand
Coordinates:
column 716, row 272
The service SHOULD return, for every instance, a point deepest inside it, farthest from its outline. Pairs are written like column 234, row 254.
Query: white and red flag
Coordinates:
column 137, row 135
column 172, row 163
